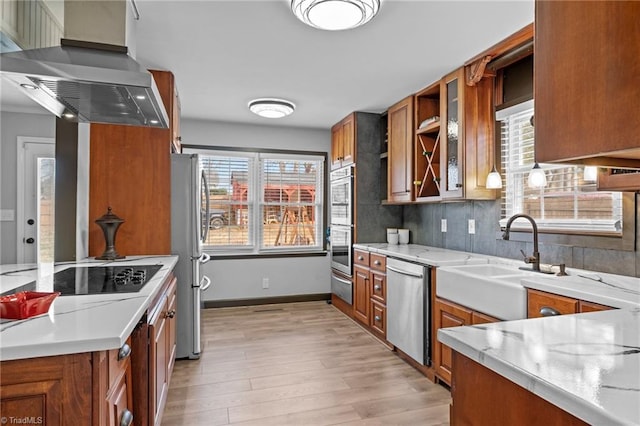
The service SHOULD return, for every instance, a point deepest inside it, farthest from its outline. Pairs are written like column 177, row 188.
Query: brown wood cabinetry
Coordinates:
column 427, row 145
column 76, row 389
column 400, row 185
column 361, row 294
column 542, row 304
column 479, row 398
column 451, row 148
column 467, row 152
column 57, row 390
column 343, row 142
column 105, row 388
column 154, row 352
column 119, row 387
column 449, row 314
column 370, row 291
column 587, row 112
column 378, row 294
column 584, row 306
column 130, row 171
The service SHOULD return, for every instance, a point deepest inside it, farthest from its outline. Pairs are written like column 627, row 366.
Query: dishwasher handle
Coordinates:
column 400, row 271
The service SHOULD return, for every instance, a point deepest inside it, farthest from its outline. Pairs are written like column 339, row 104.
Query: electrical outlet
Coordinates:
column 443, row 225
column 472, row 226
column 265, row 283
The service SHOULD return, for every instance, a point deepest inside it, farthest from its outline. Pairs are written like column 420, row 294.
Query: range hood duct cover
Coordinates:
column 97, row 83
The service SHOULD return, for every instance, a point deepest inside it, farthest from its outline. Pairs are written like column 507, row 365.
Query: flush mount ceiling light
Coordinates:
column 334, row 15
column 271, row 108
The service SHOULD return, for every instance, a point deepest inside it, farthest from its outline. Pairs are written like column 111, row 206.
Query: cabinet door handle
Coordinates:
column 378, row 318
column 546, row 311
column 360, row 258
column 171, row 313
column 377, row 262
column 127, row 418
column 124, row 352
column 377, row 287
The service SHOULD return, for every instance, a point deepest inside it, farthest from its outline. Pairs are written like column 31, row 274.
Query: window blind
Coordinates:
column 231, row 193
column 264, row 201
column 291, row 202
column 568, row 202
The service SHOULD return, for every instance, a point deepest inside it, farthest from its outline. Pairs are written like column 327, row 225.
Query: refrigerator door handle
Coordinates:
column 205, row 258
column 206, row 199
column 207, row 283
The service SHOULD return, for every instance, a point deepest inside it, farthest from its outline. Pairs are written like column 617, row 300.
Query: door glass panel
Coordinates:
column 453, row 166
column 45, row 197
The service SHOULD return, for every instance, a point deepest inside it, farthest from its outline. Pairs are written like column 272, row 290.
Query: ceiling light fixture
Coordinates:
column 271, row 107
column 334, row 15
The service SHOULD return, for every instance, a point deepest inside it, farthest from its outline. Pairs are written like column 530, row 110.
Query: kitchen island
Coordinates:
column 587, row 364
column 93, row 358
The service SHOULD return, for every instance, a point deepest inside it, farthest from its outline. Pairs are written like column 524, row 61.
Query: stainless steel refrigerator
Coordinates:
column 189, row 229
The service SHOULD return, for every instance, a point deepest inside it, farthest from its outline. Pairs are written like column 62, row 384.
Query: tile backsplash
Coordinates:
column 424, row 222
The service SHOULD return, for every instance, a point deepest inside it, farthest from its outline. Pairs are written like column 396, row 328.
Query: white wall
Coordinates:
column 242, row 278
column 12, row 125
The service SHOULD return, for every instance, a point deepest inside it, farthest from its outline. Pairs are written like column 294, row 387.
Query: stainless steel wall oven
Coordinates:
column 341, row 232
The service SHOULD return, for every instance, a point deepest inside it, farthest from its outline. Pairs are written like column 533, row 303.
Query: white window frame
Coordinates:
column 255, row 200
column 514, row 187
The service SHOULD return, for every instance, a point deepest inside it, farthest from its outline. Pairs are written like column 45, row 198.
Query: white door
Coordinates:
column 36, row 195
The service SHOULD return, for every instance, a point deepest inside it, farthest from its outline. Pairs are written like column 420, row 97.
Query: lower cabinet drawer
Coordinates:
column 378, row 317
column 541, row 304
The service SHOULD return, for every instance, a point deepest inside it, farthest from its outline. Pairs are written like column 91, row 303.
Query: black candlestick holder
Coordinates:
column 109, row 223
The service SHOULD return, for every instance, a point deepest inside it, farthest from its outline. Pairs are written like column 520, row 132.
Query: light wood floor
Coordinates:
column 298, row 364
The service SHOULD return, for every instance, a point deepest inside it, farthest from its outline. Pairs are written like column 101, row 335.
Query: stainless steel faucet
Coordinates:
column 535, row 259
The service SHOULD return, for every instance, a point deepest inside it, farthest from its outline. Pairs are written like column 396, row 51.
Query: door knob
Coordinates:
column 29, row 240
column 30, row 221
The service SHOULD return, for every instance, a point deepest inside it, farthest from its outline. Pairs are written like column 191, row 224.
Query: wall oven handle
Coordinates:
column 400, row 271
column 342, row 280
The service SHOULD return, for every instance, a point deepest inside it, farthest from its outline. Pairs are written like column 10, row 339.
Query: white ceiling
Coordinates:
column 225, row 53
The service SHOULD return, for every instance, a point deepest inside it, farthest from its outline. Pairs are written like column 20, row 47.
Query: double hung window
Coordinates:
column 264, row 202
column 569, row 202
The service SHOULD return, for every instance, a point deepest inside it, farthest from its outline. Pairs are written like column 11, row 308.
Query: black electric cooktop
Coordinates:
column 99, row 280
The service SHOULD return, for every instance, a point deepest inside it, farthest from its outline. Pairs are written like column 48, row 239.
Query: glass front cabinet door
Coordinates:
column 453, row 120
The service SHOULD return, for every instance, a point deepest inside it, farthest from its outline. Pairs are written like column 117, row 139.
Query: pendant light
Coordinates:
column 590, row 174
column 494, row 180
column 537, row 178
column 335, row 15
column 271, row 107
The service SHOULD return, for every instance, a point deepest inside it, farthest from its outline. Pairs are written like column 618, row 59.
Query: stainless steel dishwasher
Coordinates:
column 408, row 318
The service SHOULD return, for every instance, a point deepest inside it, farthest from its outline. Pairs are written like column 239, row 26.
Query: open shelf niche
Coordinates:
column 427, row 143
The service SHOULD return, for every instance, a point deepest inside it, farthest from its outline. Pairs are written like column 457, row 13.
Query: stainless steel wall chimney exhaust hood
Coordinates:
column 95, row 82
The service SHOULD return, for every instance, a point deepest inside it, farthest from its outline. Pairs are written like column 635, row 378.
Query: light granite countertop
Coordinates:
column 432, row 256
column 586, row 364
column 76, row 323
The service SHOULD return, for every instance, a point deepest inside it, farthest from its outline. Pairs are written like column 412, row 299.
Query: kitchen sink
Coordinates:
column 492, row 289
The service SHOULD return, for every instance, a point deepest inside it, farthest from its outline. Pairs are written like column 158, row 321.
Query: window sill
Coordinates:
column 220, row 256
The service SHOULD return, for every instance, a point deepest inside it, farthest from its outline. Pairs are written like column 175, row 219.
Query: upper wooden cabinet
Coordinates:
column 467, row 153
column 400, row 142
column 343, row 139
column 449, row 151
column 130, row 171
column 587, row 95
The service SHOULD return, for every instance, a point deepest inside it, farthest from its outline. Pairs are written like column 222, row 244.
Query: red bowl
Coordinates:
column 26, row 304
